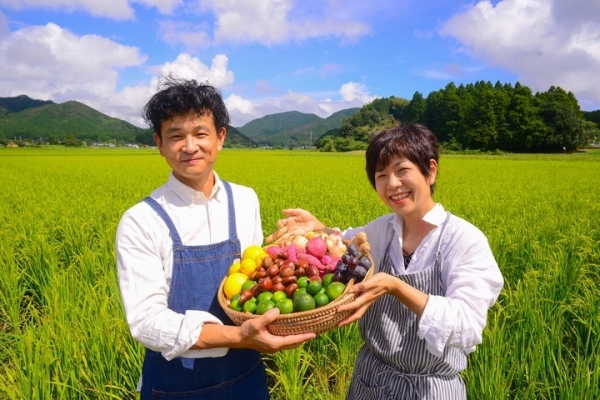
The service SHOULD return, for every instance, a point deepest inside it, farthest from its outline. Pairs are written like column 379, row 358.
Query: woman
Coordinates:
column 425, row 307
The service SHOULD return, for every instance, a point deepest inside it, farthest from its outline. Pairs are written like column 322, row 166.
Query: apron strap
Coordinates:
column 439, row 257
column 232, row 224
column 165, row 217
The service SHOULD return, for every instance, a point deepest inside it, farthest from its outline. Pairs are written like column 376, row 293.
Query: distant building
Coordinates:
column 12, row 144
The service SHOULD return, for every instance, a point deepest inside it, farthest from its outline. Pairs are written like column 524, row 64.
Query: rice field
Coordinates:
column 62, row 330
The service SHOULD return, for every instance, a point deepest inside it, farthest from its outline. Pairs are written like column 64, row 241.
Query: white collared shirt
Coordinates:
column 470, row 275
column 145, row 259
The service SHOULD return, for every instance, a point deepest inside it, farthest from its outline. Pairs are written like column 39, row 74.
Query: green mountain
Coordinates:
column 25, row 118
column 20, row 103
column 293, row 128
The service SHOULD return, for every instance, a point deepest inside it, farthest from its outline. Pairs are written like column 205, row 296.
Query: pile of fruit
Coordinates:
column 300, row 273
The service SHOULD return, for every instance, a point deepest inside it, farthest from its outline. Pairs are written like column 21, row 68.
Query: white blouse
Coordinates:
column 470, row 275
column 145, row 259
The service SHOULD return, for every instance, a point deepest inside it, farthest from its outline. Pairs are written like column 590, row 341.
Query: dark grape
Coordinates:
column 365, row 262
column 359, row 272
column 352, row 262
column 338, row 276
column 345, row 257
column 341, row 267
column 352, row 250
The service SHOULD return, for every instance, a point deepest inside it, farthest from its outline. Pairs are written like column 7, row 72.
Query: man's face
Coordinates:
column 190, row 144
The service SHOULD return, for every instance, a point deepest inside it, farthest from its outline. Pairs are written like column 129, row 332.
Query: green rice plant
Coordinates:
column 62, row 328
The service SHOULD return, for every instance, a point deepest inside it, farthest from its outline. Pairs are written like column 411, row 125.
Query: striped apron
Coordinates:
column 394, row 363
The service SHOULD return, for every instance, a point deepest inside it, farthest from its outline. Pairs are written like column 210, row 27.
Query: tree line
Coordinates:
column 480, row 116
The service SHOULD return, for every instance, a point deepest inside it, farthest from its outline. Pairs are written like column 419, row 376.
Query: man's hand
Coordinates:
column 255, row 335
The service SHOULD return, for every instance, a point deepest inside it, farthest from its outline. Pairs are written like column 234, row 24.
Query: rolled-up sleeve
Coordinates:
column 144, row 291
column 473, row 283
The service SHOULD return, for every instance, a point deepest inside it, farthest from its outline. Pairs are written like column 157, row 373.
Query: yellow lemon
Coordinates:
column 233, row 284
column 251, row 252
column 247, row 266
column 235, row 267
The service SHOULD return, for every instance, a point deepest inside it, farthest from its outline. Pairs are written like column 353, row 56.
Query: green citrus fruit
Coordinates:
column 321, row 299
column 248, row 285
column 279, row 295
column 335, row 290
column 302, row 281
column 327, row 279
column 298, row 291
column 235, row 305
column 304, row 302
column 264, row 306
column 314, row 287
column 264, row 296
column 285, row 306
column 250, row 306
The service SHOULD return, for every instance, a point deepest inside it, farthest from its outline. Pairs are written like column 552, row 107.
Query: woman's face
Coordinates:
column 404, row 189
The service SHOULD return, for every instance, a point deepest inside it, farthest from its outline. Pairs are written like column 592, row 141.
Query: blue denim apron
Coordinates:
column 197, row 274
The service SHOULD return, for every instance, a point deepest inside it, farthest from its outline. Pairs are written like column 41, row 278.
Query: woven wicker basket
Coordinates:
column 317, row 320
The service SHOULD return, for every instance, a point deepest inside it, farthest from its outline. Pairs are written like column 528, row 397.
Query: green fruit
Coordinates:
column 321, row 299
column 264, row 306
column 248, row 285
column 285, row 306
column 264, row 296
column 302, row 281
column 279, row 295
column 304, row 302
column 327, row 279
column 314, row 287
column 235, row 305
column 297, row 292
column 335, row 290
column 250, row 306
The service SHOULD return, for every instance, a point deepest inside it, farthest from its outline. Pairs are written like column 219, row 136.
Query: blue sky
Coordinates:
column 314, row 56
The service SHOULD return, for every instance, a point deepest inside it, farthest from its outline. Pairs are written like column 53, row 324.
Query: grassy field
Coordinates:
column 62, row 329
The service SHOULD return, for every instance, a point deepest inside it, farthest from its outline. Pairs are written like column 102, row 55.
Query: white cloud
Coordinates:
column 163, row 6
column 52, row 63
column 192, row 35
column 273, row 22
column 4, row 30
column 544, row 42
column 114, row 9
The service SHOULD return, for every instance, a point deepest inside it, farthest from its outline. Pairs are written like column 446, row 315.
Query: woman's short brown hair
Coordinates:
column 413, row 141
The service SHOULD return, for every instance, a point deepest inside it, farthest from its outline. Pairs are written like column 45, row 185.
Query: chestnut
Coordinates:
column 267, row 262
column 265, row 284
column 290, row 289
column 278, row 287
column 302, row 263
column 289, row 280
column 245, row 296
column 299, row 271
column 276, row 279
column 312, row 270
column 286, row 270
column 273, row 270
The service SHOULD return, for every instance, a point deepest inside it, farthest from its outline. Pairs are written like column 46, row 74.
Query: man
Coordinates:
column 175, row 247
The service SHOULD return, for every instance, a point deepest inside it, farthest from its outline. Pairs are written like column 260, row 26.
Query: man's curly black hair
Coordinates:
column 179, row 97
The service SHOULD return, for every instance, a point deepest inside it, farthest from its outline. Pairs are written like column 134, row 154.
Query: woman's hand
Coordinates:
column 372, row 288
column 297, row 222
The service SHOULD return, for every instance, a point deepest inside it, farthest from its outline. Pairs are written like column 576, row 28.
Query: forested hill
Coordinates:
column 480, row 116
column 293, row 128
column 23, row 119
